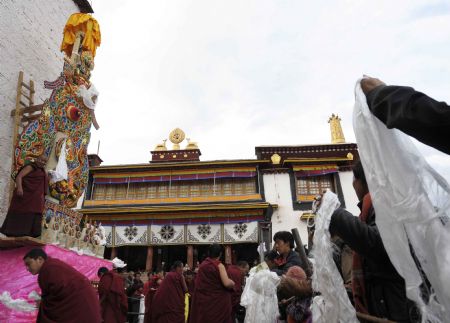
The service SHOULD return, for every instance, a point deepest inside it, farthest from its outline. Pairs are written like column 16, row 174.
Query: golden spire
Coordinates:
column 337, row 136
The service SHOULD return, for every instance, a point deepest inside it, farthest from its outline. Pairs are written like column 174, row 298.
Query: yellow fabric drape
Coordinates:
column 88, row 25
column 186, row 306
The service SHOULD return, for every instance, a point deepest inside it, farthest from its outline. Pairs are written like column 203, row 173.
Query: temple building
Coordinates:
column 175, row 206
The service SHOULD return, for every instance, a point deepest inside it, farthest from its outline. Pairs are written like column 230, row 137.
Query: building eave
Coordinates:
column 176, row 208
column 199, row 164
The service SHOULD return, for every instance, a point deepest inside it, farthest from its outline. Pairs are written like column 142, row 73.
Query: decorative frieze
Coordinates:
column 169, row 234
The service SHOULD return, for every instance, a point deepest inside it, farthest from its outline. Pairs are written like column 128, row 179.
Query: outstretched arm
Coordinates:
column 360, row 237
column 227, row 282
column 412, row 112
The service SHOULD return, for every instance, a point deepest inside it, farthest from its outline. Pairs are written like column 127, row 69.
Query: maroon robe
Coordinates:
column 168, row 303
column 211, row 301
column 25, row 212
column 149, row 295
column 235, row 275
column 67, row 295
column 113, row 301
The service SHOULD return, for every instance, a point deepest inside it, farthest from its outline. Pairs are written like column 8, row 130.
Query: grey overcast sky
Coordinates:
column 237, row 74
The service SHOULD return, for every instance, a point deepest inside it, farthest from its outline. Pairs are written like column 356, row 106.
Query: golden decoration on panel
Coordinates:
column 275, row 159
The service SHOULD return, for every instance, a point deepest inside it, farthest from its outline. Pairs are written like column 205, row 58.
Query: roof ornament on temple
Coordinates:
column 190, row 152
column 337, row 135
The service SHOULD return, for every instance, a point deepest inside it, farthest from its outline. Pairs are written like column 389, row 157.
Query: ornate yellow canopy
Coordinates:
column 85, row 23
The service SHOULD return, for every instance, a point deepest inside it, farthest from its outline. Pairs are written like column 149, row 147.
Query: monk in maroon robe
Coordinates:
column 212, row 297
column 168, row 303
column 24, row 215
column 237, row 274
column 152, row 287
column 67, row 295
column 113, row 300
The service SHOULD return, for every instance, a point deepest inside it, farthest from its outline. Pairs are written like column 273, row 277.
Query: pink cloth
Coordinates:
column 15, row 279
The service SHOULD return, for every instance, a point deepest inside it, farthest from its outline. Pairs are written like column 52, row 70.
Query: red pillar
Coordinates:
column 190, row 256
column 113, row 253
column 149, row 261
column 228, row 254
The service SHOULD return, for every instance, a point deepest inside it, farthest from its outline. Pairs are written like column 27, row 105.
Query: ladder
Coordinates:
column 24, row 113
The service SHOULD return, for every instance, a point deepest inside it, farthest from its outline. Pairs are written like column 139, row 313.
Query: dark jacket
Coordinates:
column 385, row 288
column 293, row 259
column 414, row 113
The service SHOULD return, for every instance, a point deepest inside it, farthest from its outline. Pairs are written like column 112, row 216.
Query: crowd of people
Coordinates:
column 278, row 288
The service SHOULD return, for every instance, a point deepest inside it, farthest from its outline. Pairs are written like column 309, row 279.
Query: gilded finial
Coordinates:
column 337, row 135
column 161, row 147
column 191, row 144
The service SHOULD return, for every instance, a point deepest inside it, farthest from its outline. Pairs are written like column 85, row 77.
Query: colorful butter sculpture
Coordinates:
column 63, row 129
column 62, row 226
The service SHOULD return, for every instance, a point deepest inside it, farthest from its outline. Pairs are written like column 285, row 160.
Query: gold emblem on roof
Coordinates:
column 176, row 136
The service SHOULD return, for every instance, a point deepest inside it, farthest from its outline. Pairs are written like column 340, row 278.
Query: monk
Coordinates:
column 24, row 215
column 67, row 295
column 237, row 274
column 113, row 300
column 190, row 281
column 168, row 303
column 149, row 292
column 212, row 297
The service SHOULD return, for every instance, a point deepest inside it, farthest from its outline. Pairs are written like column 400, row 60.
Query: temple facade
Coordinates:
column 175, row 206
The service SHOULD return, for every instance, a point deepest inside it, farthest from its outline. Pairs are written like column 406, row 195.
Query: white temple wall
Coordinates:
column 351, row 200
column 31, row 37
column 277, row 190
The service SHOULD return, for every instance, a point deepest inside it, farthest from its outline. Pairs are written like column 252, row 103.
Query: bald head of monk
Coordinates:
column 177, row 267
column 101, row 271
column 34, row 259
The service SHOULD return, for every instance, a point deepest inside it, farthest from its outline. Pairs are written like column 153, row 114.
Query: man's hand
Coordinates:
column 19, row 191
column 369, row 83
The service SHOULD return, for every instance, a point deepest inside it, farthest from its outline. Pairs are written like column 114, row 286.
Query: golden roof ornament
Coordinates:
column 337, row 135
column 191, row 144
column 161, row 147
column 176, row 136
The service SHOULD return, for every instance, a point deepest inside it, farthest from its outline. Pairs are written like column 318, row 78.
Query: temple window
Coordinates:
column 175, row 189
column 308, row 187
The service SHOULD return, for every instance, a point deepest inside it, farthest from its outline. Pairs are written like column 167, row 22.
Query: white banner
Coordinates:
column 240, row 232
column 108, row 236
column 204, row 233
column 131, row 234
column 167, row 234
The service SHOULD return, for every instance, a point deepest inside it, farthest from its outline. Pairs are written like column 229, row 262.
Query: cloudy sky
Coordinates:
column 238, row 74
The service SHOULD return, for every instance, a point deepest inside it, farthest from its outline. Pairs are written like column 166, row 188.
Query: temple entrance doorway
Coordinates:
column 245, row 251
column 165, row 256
column 133, row 256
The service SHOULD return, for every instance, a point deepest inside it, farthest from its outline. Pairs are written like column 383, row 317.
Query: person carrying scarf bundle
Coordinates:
column 377, row 287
